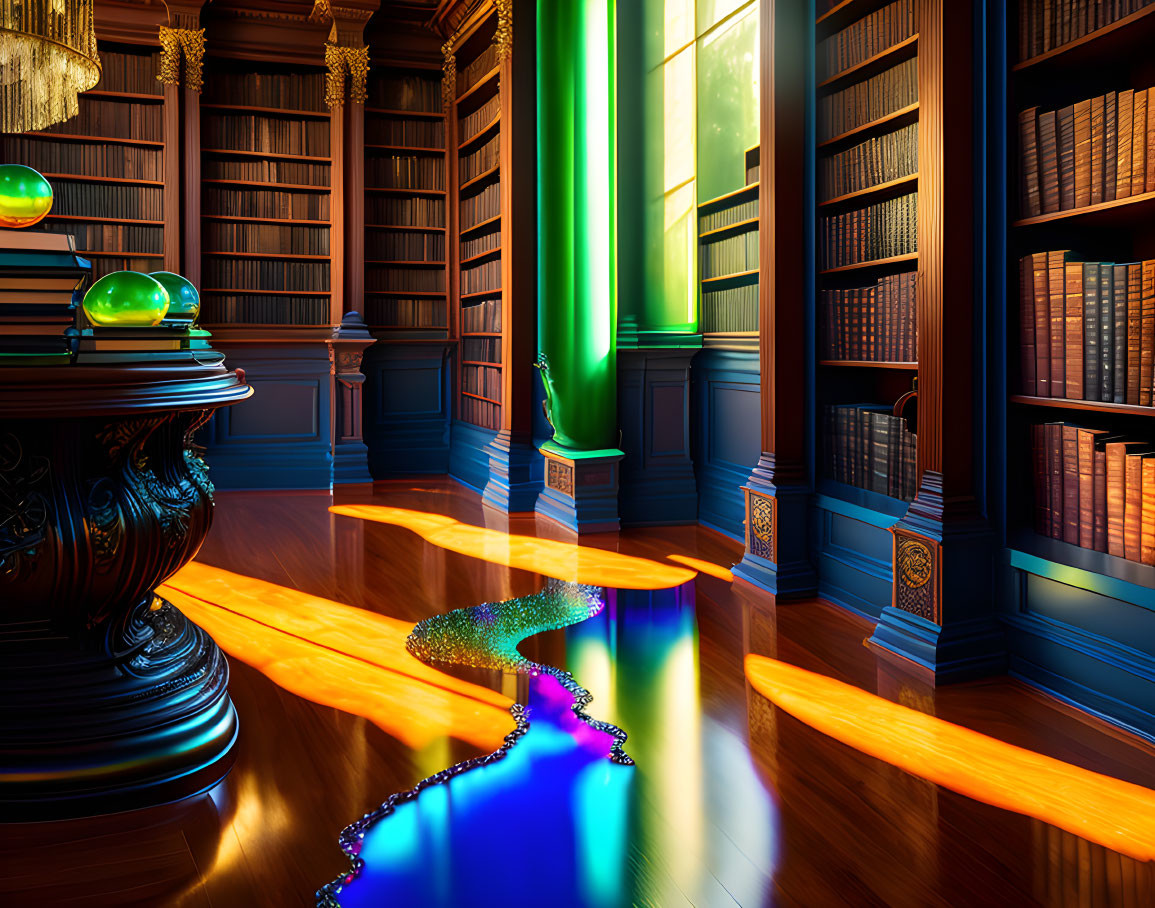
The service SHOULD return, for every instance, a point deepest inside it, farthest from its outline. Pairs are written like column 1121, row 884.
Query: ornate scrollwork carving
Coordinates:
column 339, row 60
column 174, row 41
column 448, row 76
column 23, row 506
column 503, row 37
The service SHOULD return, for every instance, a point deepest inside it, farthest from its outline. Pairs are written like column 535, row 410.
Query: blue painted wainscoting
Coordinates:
column 406, row 422
column 468, row 457
column 280, row 438
column 727, row 423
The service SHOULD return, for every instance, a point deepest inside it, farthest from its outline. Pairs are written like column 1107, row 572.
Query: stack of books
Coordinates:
column 41, row 284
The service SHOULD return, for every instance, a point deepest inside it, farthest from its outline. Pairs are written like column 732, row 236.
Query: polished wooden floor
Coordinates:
column 852, row 829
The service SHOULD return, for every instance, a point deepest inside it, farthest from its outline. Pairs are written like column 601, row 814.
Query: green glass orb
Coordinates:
column 25, row 196
column 184, row 300
column 126, row 299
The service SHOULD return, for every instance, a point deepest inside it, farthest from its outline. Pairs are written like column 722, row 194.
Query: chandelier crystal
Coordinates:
column 47, row 56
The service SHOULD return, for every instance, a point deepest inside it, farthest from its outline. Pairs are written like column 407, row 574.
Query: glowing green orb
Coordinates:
column 184, row 300
column 126, row 299
column 25, row 196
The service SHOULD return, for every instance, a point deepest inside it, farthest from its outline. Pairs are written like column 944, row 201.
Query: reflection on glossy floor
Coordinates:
column 733, row 801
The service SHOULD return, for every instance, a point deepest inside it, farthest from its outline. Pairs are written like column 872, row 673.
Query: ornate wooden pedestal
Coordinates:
column 109, row 697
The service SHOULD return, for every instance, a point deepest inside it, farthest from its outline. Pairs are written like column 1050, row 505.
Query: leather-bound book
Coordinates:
column 1056, row 283
column 1055, row 468
column 1147, row 333
column 1133, row 500
column 1091, row 373
column 1099, row 536
column 1042, row 326
column 1065, row 126
column 1042, row 478
column 1027, row 351
column 1086, row 468
column 1149, row 181
column 1106, row 332
column 1147, row 517
column 1139, row 142
column 1098, row 136
column 1071, row 484
column 1119, row 295
column 1116, row 496
column 1030, row 201
column 1049, row 162
column 1082, row 154
column 1110, row 145
column 1124, row 129
column 1074, row 330
column 1134, row 331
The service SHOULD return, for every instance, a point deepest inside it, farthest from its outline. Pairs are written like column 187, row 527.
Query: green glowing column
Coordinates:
column 577, row 293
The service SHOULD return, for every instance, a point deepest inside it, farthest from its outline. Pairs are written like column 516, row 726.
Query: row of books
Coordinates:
column 418, row 211
column 1047, row 24
column 426, row 280
column 286, row 91
column 1095, row 150
column 478, row 162
column 480, row 207
column 272, row 135
column 878, row 231
column 46, row 281
column 730, row 310
column 481, row 243
column 880, row 159
column 261, row 308
column 109, row 200
column 425, row 133
column 481, row 350
column 731, row 254
column 866, row 446
column 135, row 162
column 266, row 203
column 752, row 172
column 471, row 124
column 266, row 274
column 110, row 237
column 860, row 103
column 398, row 171
column 482, row 380
column 1087, row 329
column 470, row 74
column 483, row 317
column 102, row 265
column 878, row 323
column 479, row 412
column 731, row 214
column 417, row 93
column 866, row 37
column 134, row 73
column 115, row 119
column 1095, row 489
column 282, row 239
column 485, row 276
column 404, row 246
column 258, row 171
column 396, row 312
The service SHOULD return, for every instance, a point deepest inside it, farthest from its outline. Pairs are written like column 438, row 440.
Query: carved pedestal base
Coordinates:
column 581, row 489
column 776, row 558
column 514, row 475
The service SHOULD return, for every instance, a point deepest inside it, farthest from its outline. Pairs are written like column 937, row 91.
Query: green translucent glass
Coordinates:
column 669, row 26
column 577, row 301
column 126, row 299
column 184, row 300
column 727, row 103
column 711, row 12
column 25, row 196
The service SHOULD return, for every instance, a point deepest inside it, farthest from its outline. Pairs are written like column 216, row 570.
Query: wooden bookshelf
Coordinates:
column 866, row 301
column 266, row 173
column 728, row 259
column 406, row 143
column 108, row 166
column 1107, row 277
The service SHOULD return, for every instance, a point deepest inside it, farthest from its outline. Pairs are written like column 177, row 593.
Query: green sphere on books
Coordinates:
column 126, row 299
column 184, row 300
column 25, row 196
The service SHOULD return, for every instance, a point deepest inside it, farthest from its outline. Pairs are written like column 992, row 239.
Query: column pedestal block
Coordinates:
column 581, row 489
column 776, row 558
column 514, row 475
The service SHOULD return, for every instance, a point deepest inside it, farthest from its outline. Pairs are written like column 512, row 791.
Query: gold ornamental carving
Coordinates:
column 339, row 61
column 176, row 43
column 503, row 37
column 915, row 563
column 448, row 76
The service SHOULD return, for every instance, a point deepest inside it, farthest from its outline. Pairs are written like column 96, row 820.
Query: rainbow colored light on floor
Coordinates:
column 1101, row 809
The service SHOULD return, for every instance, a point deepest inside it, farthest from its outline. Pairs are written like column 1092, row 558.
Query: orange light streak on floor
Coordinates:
column 339, row 656
column 561, row 560
column 1101, row 809
column 704, row 567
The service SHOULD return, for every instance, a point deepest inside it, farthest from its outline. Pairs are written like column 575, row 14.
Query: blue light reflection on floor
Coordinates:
column 556, row 823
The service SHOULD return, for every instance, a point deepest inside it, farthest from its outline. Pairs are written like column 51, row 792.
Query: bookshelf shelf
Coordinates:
column 481, row 133
column 867, row 364
column 873, row 263
column 900, row 117
column 896, row 53
column 409, row 263
column 739, row 277
column 251, row 291
column 488, row 400
column 489, row 80
column 85, row 178
column 481, row 255
column 398, row 112
column 271, row 111
column 405, row 190
column 479, row 362
column 1131, row 32
column 738, row 227
column 123, row 95
column 481, row 225
column 1061, row 556
column 481, row 334
column 482, row 177
column 102, row 254
column 416, row 149
column 288, row 256
column 423, row 294
column 1090, row 406
column 749, row 191
column 1127, row 212
column 250, row 184
column 478, row 294
column 266, row 154
column 94, row 219
column 248, row 220
column 416, row 228
column 73, row 137
column 880, row 189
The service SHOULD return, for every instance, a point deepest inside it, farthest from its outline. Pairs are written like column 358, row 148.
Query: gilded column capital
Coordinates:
column 178, row 42
column 503, row 37
column 339, row 60
column 448, row 76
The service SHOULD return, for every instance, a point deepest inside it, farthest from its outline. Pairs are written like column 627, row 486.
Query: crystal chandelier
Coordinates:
column 47, row 56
